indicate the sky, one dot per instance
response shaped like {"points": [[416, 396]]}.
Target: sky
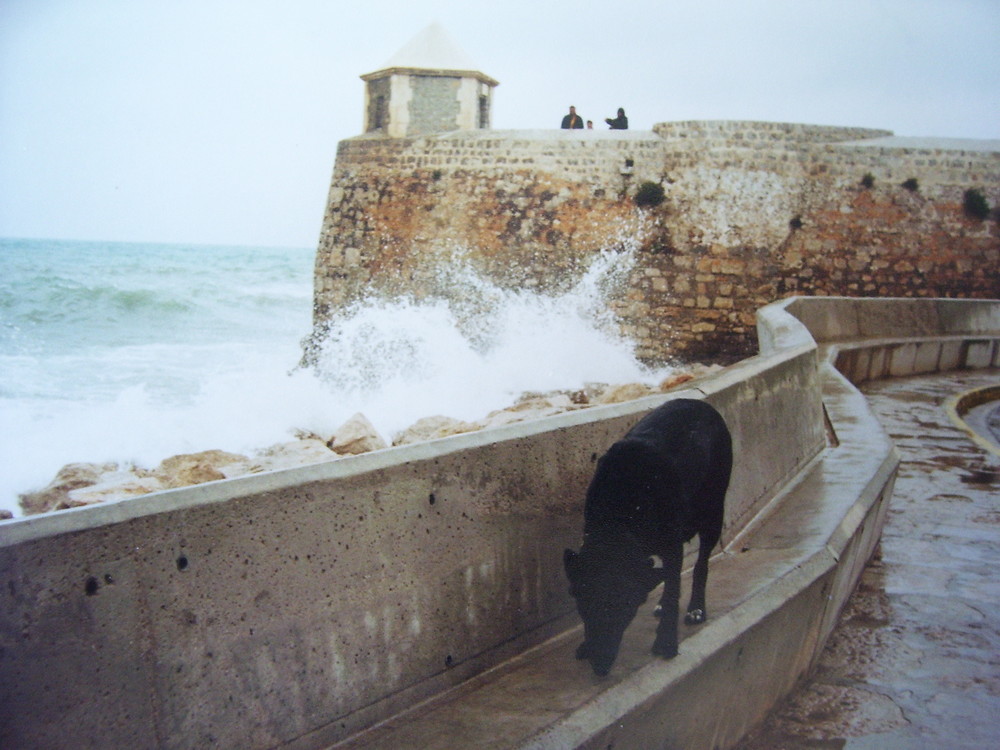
{"points": [[217, 121]]}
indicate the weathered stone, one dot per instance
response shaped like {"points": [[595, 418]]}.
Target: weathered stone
{"points": [[750, 217], [617, 394], [699, 370], [301, 434], [196, 468], [291, 454], [432, 428], [114, 486], [55, 495], [531, 408], [675, 380], [356, 435]]}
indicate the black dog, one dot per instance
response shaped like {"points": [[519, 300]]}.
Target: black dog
{"points": [[654, 489]]}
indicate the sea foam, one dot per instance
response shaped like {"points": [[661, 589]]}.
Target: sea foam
{"points": [[215, 366]]}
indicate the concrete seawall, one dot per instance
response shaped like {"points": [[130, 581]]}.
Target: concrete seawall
{"points": [[299, 607]]}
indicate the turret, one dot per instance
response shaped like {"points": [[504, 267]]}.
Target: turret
{"points": [[429, 86]]}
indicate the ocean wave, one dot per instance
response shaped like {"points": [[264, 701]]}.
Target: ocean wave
{"points": [[133, 354], [61, 315]]}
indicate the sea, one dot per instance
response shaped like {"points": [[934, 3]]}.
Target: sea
{"points": [[134, 352]]}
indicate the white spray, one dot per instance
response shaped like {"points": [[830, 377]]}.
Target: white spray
{"points": [[462, 355]]}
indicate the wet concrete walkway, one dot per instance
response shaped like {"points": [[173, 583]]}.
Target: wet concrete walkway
{"points": [[915, 660]]}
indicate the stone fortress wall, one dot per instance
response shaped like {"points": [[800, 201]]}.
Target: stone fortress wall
{"points": [[753, 212]]}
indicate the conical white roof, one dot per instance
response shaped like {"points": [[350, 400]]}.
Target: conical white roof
{"points": [[431, 49]]}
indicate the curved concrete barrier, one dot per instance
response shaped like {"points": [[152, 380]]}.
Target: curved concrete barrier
{"points": [[301, 607]]}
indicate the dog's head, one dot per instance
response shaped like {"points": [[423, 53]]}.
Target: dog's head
{"points": [[609, 586]]}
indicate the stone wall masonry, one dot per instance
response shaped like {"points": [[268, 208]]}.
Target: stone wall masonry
{"points": [[753, 212], [764, 133], [525, 210], [748, 223], [434, 104]]}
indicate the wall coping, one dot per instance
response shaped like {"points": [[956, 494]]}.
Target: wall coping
{"points": [[732, 131]]}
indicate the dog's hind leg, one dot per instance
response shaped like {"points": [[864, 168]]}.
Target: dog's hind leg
{"points": [[696, 610], [665, 644]]}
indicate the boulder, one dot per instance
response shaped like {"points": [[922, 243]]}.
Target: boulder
{"points": [[699, 370], [580, 397], [289, 455], [55, 495], [432, 428], [197, 468], [672, 381], [531, 408], [116, 485], [617, 394], [301, 434], [356, 435]]}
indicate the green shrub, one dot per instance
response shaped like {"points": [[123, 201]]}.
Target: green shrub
{"points": [[975, 205], [912, 185], [868, 180], [649, 194]]}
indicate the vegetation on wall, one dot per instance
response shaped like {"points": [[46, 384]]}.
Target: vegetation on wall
{"points": [[974, 204], [649, 194]]}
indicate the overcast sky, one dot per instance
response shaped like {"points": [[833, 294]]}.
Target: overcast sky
{"points": [[217, 121]]}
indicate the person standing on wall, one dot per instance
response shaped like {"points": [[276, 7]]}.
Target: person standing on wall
{"points": [[572, 120], [617, 123]]}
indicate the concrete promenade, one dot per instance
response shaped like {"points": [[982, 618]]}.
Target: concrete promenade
{"points": [[915, 660]]}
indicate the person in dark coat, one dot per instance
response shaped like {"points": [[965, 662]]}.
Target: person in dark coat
{"points": [[572, 120], [617, 123]]}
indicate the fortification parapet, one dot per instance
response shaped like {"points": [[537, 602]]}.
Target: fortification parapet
{"points": [[771, 133]]}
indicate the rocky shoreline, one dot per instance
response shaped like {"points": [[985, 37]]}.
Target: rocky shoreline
{"points": [[81, 484]]}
